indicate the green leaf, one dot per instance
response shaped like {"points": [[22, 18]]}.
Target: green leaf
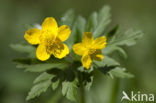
{"points": [[81, 23], [55, 84], [30, 61], [42, 77], [68, 18], [23, 61], [92, 22], [106, 65], [110, 49], [42, 82], [44, 67], [38, 89], [72, 38], [128, 38], [105, 69], [21, 66], [106, 61], [77, 32], [89, 84], [69, 89], [121, 73], [103, 21], [24, 49]]}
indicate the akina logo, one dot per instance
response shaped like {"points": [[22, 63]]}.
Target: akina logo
{"points": [[140, 97]]}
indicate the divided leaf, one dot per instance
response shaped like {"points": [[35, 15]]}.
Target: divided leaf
{"points": [[69, 89], [114, 42], [42, 77], [44, 67], [77, 32], [38, 89], [81, 23], [106, 61], [110, 49], [110, 66], [68, 18], [55, 84], [120, 72], [92, 22], [24, 49], [128, 38], [42, 82], [71, 40], [106, 65], [103, 20]]}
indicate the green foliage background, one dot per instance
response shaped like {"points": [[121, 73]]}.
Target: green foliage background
{"points": [[139, 14]]}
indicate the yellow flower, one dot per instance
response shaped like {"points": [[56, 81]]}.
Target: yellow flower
{"points": [[50, 39], [90, 49]]}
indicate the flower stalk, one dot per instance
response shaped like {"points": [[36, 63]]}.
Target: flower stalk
{"points": [[82, 89]]}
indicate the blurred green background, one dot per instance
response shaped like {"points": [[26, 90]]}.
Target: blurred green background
{"points": [[138, 14]]}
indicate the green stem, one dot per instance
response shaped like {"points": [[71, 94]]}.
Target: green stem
{"points": [[114, 91], [82, 90], [82, 95]]}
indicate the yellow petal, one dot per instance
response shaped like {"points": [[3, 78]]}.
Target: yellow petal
{"points": [[32, 36], [79, 49], [41, 53], [63, 32], [99, 43], [60, 50], [50, 25], [87, 38], [97, 55], [86, 61]]}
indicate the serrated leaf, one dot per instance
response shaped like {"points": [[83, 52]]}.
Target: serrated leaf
{"points": [[21, 66], [92, 22], [68, 18], [30, 61], [42, 77], [110, 49], [24, 49], [77, 32], [69, 89], [44, 67], [27, 61], [55, 84], [72, 38], [106, 61], [106, 64], [103, 20], [121, 73], [81, 23], [128, 38], [38, 89]]}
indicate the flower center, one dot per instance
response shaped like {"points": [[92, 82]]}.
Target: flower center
{"points": [[91, 51], [47, 37]]}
